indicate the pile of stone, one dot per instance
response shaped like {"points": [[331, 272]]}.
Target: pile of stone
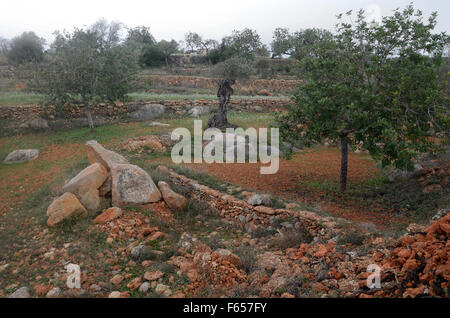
{"points": [[150, 144], [434, 178], [109, 174], [420, 263]]}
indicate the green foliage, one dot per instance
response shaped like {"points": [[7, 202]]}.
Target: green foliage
{"points": [[243, 44], [152, 56], [373, 84], [233, 69], [298, 44], [195, 42], [27, 47], [140, 37], [168, 48], [88, 66], [281, 43]]}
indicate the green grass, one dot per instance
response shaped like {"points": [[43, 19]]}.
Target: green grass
{"points": [[17, 98], [156, 96]]}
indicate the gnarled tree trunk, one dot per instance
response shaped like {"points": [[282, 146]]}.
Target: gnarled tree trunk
{"points": [[219, 119], [89, 116]]}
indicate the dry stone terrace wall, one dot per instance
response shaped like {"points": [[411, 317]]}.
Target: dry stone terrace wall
{"points": [[254, 86], [26, 112], [248, 216]]}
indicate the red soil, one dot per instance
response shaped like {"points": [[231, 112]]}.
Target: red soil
{"points": [[300, 179]]}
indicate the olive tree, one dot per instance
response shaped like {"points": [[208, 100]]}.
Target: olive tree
{"points": [[281, 43], [88, 66], [375, 85], [168, 48], [27, 47], [227, 72]]}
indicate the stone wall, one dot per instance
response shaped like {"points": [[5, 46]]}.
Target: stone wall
{"points": [[26, 112], [245, 215], [251, 87]]}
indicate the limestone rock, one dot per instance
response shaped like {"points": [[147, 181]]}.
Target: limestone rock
{"points": [[22, 155], [22, 292], [85, 185], [132, 185], [64, 207], [148, 111], [108, 215], [38, 123], [259, 199], [199, 110], [157, 124], [96, 153], [175, 201]]}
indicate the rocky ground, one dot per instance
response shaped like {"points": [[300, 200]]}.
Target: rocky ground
{"points": [[185, 239]]}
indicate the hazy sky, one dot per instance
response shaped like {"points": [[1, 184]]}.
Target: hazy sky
{"points": [[210, 18]]}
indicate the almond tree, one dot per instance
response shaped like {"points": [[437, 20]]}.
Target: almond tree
{"points": [[375, 85]]}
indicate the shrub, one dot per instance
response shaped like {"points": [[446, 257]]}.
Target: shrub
{"points": [[152, 55], [27, 47]]}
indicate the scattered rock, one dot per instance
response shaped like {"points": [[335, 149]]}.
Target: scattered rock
{"points": [[114, 294], [259, 199], [145, 287], [186, 241], [64, 207], [157, 124], [142, 253], [153, 275], [132, 185], [117, 279], [163, 290], [108, 215], [54, 292], [175, 201], [22, 155], [22, 292], [134, 283]]}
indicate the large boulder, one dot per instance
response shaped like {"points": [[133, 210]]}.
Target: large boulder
{"points": [[65, 207], [21, 155], [147, 112], [96, 153], [38, 123], [199, 110], [132, 185], [175, 201], [85, 185]]}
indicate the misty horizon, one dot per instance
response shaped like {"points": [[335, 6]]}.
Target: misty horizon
{"points": [[173, 19]]}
